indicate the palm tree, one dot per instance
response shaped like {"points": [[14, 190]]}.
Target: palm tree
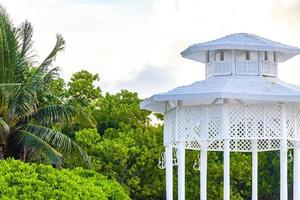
{"points": [[25, 122]]}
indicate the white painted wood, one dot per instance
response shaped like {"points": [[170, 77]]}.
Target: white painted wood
{"points": [[169, 172], [283, 158], [296, 173], [226, 170], [247, 67], [254, 170], [225, 130], [260, 61], [233, 62], [222, 68], [269, 68], [203, 174], [283, 171], [181, 170]]}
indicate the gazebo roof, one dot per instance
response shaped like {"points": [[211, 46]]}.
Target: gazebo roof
{"points": [[244, 88], [240, 41]]}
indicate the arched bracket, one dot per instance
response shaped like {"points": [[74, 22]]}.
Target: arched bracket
{"points": [[290, 156], [196, 165], [175, 157], [162, 161], [204, 145]]}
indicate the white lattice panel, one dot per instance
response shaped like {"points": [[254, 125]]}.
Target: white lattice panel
{"points": [[213, 114], [199, 125], [272, 121], [254, 115]]}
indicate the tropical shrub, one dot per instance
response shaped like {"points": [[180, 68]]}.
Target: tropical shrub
{"points": [[20, 180]]}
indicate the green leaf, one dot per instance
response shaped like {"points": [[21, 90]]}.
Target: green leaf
{"points": [[59, 141], [31, 140]]}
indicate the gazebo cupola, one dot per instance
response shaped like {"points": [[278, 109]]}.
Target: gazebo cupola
{"points": [[241, 106], [240, 54]]}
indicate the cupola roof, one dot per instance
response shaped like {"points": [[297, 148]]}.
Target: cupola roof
{"points": [[240, 41]]}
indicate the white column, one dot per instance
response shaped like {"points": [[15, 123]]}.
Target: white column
{"points": [[227, 170], [169, 172], [226, 136], [283, 171], [297, 173], [283, 157], [254, 170], [181, 170], [203, 173]]}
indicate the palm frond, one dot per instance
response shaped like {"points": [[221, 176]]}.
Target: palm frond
{"points": [[31, 140], [4, 128], [60, 113], [8, 47], [24, 34], [59, 46], [58, 140], [51, 75], [23, 103], [41, 76]]}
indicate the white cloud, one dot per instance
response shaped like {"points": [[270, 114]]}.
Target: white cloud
{"points": [[122, 39], [148, 79]]}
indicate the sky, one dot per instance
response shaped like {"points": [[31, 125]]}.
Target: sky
{"points": [[136, 44]]}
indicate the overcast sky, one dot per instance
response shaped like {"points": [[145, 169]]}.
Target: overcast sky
{"points": [[135, 44]]}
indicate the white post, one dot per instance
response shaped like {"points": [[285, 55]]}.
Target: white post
{"points": [[233, 70], [169, 172], [254, 170], [181, 170], [296, 173], [283, 157], [227, 170], [203, 173], [225, 130]]}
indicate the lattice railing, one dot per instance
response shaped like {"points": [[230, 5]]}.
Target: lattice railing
{"points": [[246, 124]]}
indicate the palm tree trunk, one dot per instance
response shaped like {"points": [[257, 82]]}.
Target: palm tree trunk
{"points": [[24, 154], [1, 151]]}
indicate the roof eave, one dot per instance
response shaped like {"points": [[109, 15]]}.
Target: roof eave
{"points": [[156, 103]]}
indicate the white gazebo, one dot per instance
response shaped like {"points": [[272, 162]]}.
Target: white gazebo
{"points": [[241, 106]]}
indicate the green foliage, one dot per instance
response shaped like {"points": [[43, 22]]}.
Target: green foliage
{"points": [[129, 156], [81, 89], [269, 176], [121, 109], [37, 181], [56, 94], [88, 137]]}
